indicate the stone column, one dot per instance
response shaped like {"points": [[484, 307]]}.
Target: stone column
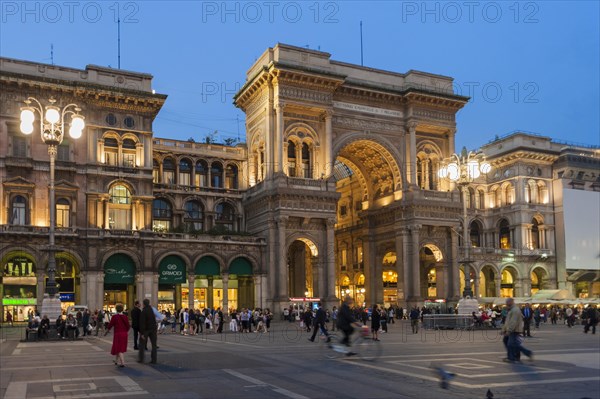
{"points": [[225, 308], [329, 294], [455, 290], [412, 131], [191, 287], [210, 293], [406, 266], [279, 133], [258, 292], [369, 257], [105, 210], [83, 288], [281, 270], [415, 264], [476, 284], [329, 155], [40, 289], [401, 267], [497, 286], [299, 163]]}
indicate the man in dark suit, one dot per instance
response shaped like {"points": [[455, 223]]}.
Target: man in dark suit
{"points": [[135, 323], [148, 328], [527, 316], [319, 323]]}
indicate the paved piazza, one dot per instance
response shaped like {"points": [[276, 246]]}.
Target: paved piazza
{"points": [[283, 364]]}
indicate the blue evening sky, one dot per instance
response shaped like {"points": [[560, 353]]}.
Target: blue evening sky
{"points": [[530, 66]]}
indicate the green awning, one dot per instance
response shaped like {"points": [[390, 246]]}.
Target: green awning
{"points": [[207, 266], [241, 267], [119, 269], [172, 270]]}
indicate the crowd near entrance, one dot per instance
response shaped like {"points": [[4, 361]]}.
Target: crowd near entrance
{"points": [[119, 281]]}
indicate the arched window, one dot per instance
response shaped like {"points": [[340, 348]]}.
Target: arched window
{"points": [[161, 215], [231, 177], [480, 199], [216, 175], [194, 216], [129, 153], [535, 234], [498, 195], [19, 210], [470, 197], [291, 154], [201, 174], [119, 213], [168, 171], [507, 288], [306, 162], [185, 172], [155, 172], [542, 193], [475, 234], [111, 151], [63, 213], [224, 216], [504, 234]]}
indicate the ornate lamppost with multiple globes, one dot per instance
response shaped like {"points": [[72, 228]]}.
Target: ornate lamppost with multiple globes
{"points": [[52, 124], [463, 169]]}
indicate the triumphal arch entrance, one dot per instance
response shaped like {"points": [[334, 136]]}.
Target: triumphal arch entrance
{"points": [[343, 164]]}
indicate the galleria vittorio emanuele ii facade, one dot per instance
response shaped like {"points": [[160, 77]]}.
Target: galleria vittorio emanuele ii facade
{"points": [[335, 192]]}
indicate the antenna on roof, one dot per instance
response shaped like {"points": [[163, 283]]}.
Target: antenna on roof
{"points": [[52, 53], [118, 38], [361, 45]]}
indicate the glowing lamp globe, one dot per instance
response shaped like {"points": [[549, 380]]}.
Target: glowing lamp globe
{"points": [[26, 128], [77, 122], [74, 132], [453, 172], [27, 116], [52, 115], [485, 167]]}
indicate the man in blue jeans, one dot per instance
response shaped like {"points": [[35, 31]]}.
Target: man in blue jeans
{"points": [[512, 330]]}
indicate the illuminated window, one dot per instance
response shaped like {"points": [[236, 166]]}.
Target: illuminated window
{"points": [[291, 153], [185, 172], [63, 211]]}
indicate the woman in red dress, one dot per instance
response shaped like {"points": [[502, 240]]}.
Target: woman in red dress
{"points": [[121, 324]]}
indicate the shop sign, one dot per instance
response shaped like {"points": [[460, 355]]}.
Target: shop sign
{"points": [[19, 301], [67, 297], [118, 275], [172, 273]]}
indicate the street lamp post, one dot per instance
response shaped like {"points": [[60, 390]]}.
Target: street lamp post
{"points": [[463, 169], [52, 122]]}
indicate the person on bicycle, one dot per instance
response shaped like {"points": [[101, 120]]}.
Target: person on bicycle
{"points": [[345, 320]]}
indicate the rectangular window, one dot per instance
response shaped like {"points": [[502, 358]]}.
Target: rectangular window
{"points": [[169, 177], [155, 174], [184, 179], [110, 158], [119, 219], [63, 152], [128, 160], [161, 226], [19, 214], [343, 210], [19, 146], [62, 215], [344, 257]]}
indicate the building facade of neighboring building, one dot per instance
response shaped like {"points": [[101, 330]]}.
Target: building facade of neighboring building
{"points": [[335, 193]]}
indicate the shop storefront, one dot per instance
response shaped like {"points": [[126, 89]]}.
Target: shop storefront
{"points": [[390, 288], [119, 279], [171, 275], [66, 281], [241, 284], [18, 286], [206, 271]]}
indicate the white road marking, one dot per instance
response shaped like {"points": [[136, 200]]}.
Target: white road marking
{"points": [[479, 386], [254, 381], [56, 366], [18, 390], [479, 353]]}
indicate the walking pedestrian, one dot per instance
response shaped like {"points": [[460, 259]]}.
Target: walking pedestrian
{"points": [[512, 329], [527, 316], [9, 318], [121, 324], [135, 323], [148, 327], [375, 322], [414, 319], [319, 323]]}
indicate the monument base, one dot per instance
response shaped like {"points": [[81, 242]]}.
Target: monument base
{"points": [[467, 306], [51, 308]]}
